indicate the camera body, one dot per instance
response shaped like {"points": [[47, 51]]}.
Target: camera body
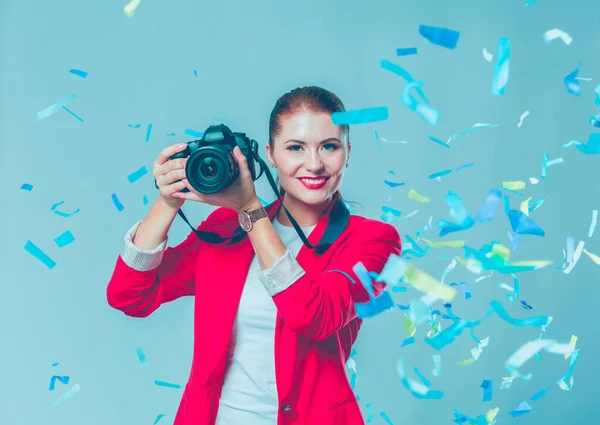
{"points": [[211, 166]]}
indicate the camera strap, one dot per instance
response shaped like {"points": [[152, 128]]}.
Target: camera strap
{"points": [[338, 220]]}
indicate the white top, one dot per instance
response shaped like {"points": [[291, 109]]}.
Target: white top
{"points": [[249, 392]]}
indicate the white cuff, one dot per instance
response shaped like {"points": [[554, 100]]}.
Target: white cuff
{"points": [[139, 259], [282, 274]]}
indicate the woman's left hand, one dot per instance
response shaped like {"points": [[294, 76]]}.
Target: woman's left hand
{"points": [[238, 196]]}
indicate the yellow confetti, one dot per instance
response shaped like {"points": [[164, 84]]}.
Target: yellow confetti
{"points": [[131, 7], [572, 344], [434, 330], [428, 284], [525, 206], [491, 415], [594, 257], [466, 362], [417, 197], [409, 328], [516, 185], [451, 244]]}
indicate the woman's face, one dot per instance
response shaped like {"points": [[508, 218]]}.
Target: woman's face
{"points": [[310, 156]]}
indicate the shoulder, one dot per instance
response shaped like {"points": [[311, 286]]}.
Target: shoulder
{"points": [[363, 229]]}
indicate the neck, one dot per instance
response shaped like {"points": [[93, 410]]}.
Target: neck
{"points": [[304, 214]]}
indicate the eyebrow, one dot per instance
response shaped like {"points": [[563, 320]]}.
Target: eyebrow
{"points": [[331, 139]]}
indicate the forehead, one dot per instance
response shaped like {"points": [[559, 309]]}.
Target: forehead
{"points": [[308, 127]]}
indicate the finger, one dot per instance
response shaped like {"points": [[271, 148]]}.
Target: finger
{"points": [[242, 162], [170, 189], [170, 165], [167, 152]]}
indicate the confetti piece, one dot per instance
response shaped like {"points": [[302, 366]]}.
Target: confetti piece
{"points": [[64, 239], [117, 203], [376, 305], [194, 133], [439, 142], [417, 389], [145, 200], [408, 341], [451, 244], [476, 127], [526, 306], [487, 55], [562, 383], [78, 72], [195, 73], [386, 418], [533, 180], [421, 377], [26, 186], [54, 364], [513, 185], [491, 415], [501, 68], [429, 114], [63, 379], [73, 113], [428, 284], [166, 384], [523, 408], [522, 117], [572, 84], [437, 364], [595, 121], [50, 110], [67, 395], [487, 390], [138, 174], [597, 91], [593, 223], [417, 197], [393, 184], [523, 224], [148, 131], [592, 146], [407, 51], [439, 173], [556, 33], [462, 167], [593, 257], [529, 350], [398, 70], [360, 116], [130, 8], [141, 356], [39, 254], [158, 418], [539, 394], [440, 36], [572, 343], [134, 125], [542, 321], [459, 213], [62, 214]]}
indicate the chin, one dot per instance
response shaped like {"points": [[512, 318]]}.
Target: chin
{"points": [[313, 197]]}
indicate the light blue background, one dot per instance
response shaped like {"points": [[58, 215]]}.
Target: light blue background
{"points": [[247, 53]]}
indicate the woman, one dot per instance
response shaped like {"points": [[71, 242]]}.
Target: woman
{"points": [[274, 320]]}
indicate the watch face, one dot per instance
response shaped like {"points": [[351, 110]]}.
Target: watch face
{"points": [[245, 222]]}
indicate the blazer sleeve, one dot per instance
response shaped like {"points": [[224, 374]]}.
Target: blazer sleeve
{"points": [[317, 305], [144, 280]]}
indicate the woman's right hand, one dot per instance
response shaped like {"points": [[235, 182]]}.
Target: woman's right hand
{"points": [[169, 174]]}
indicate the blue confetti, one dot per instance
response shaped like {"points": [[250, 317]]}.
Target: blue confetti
{"points": [[63, 379], [148, 131], [134, 125], [26, 186], [39, 254], [462, 167], [439, 142], [487, 390], [393, 184], [539, 394], [429, 114], [439, 174], [408, 341], [572, 83], [145, 200], [385, 417], [166, 384], [79, 73], [137, 174], [158, 418], [440, 36], [360, 116], [523, 408], [425, 381], [523, 224], [60, 213], [592, 147], [141, 356], [194, 133], [72, 113], [398, 70], [52, 109], [64, 239], [117, 203], [407, 51], [502, 67]]}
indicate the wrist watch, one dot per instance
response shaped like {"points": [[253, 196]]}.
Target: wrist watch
{"points": [[247, 219]]}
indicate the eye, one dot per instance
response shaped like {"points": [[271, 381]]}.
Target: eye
{"points": [[330, 146], [293, 148]]}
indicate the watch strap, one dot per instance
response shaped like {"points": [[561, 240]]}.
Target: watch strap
{"points": [[257, 214]]}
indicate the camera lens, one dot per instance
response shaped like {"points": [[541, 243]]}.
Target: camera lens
{"points": [[208, 168]]}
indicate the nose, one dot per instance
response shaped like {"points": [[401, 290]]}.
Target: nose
{"points": [[314, 163]]}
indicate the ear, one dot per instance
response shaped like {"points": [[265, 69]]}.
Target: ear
{"points": [[270, 155]]}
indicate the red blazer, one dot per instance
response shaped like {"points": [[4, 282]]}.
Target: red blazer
{"points": [[316, 319]]}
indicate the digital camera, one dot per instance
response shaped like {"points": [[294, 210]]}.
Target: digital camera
{"points": [[211, 166]]}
